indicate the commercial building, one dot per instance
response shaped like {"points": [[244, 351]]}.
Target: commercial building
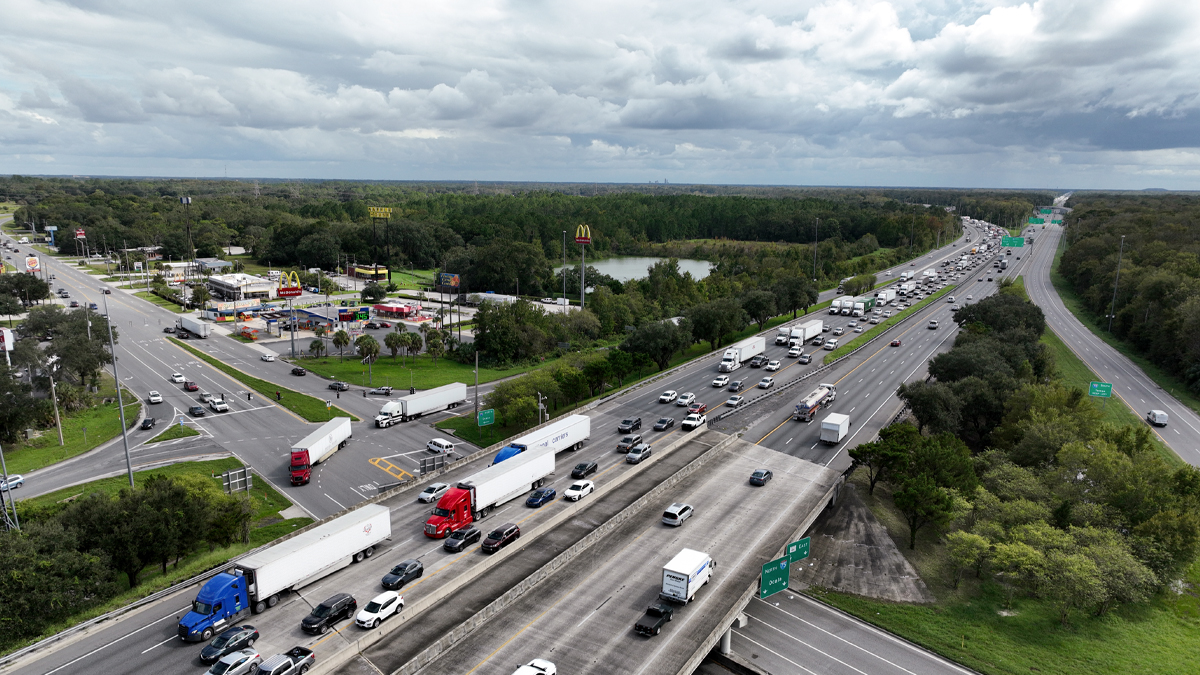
{"points": [[370, 273], [239, 286]]}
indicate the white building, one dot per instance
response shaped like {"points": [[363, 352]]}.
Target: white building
{"points": [[239, 286]]}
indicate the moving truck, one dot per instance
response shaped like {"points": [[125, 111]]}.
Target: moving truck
{"points": [[192, 325], [805, 332], [740, 352], [318, 447], [685, 574], [568, 433], [862, 305], [906, 288], [821, 397], [884, 296], [834, 428], [472, 499], [835, 307], [257, 581], [784, 334], [413, 406]]}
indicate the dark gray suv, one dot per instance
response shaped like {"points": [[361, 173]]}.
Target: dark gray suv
{"points": [[339, 607]]}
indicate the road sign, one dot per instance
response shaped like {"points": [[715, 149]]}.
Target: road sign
{"points": [[1100, 389], [774, 578], [487, 417], [1015, 242], [798, 550], [379, 212]]}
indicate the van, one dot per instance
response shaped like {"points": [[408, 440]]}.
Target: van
{"points": [[1157, 418], [440, 445], [831, 345]]}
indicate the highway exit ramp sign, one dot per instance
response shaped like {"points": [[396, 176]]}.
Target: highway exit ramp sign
{"points": [[1015, 242], [798, 550], [1100, 389], [774, 579], [487, 417]]}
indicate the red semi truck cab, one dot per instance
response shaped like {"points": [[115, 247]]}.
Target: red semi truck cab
{"points": [[453, 511], [301, 467]]}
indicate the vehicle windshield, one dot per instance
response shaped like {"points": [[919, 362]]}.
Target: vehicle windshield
{"points": [[221, 667], [664, 421], [201, 608], [222, 640], [299, 467], [759, 474], [438, 511], [627, 439], [322, 610], [496, 534], [458, 534], [579, 486], [399, 569], [373, 607]]}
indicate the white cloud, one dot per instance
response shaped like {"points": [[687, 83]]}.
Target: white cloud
{"points": [[820, 91]]}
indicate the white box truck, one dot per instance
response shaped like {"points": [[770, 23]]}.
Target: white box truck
{"points": [[835, 307], [257, 581], [740, 352], [471, 499], [569, 433], [884, 295], [685, 574], [834, 428], [413, 406], [805, 332], [784, 334], [195, 326], [318, 447]]}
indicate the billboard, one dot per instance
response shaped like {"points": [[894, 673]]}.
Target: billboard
{"points": [[583, 234], [289, 285], [79, 234], [446, 279], [32, 264]]}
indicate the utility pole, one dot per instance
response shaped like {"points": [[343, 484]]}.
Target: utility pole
{"points": [[116, 378], [1112, 310], [816, 227], [564, 270], [13, 523], [187, 210], [57, 420]]}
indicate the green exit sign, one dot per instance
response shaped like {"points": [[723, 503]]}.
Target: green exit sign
{"points": [[1015, 242], [487, 417], [798, 550], [774, 577], [1100, 389]]}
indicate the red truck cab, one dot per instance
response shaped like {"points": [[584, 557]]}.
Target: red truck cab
{"points": [[453, 511], [301, 467]]}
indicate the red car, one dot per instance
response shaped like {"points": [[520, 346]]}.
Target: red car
{"points": [[384, 324], [191, 386], [697, 407], [896, 342]]}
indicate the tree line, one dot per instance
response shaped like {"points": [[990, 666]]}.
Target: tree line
{"points": [[1030, 490]]}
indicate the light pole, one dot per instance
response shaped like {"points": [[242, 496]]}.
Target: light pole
{"points": [[564, 270], [1112, 310], [120, 401], [816, 227]]}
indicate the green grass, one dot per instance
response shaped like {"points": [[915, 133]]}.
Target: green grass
{"points": [[82, 431], [424, 373], [1074, 304], [160, 301], [308, 407], [172, 432], [464, 427], [861, 338]]}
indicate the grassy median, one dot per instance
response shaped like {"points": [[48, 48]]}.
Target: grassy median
{"points": [[82, 431], [308, 407], [172, 432], [862, 338]]}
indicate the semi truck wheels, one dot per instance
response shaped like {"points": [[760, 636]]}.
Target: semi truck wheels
{"points": [[260, 607], [206, 635], [272, 601], [369, 552], [358, 557]]}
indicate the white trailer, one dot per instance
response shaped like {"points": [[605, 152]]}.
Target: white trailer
{"points": [[444, 397], [318, 447], [568, 433], [685, 574], [740, 352], [907, 288], [834, 428], [884, 296], [806, 331], [784, 334], [305, 558], [835, 307], [193, 325], [500, 483]]}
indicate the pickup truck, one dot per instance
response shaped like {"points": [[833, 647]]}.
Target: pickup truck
{"points": [[297, 660], [652, 621]]}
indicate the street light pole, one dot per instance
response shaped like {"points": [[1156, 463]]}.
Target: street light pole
{"points": [[816, 227], [1112, 310], [120, 401]]}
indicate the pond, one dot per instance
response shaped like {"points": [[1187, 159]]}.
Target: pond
{"points": [[625, 268]]}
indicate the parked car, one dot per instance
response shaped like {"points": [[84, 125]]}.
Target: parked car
{"points": [[154, 397], [267, 357], [404, 572], [462, 538], [668, 396], [638, 453], [298, 371], [579, 490], [241, 662], [721, 381], [677, 513], [148, 423], [628, 442], [541, 497], [761, 477], [664, 423], [339, 386], [500, 537], [433, 493], [383, 606], [628, 425], [324, 615], [584, 469], [230, 640]]}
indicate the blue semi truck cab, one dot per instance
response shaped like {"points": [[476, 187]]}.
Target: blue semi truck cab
{"points": [[221, 601], [509, 452]]}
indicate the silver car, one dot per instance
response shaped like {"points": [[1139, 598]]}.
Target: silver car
{"points": [[240, 662], [433, 492]]}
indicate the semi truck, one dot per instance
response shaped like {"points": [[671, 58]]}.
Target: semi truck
{"points": [[905, 276], [257, 581], [1003, 264], [195, 326], [835, 307], [823, 396], [318, 447], [834, 428], [472, 499], [740, 352], [862, 305], [906, 288], [805, 332], [568, 433], [784, 335], [885, 295], [685, 574], [413, 406]]}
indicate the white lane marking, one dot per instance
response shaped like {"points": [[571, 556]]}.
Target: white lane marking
{"points": [[334, 501], [131, 633], [159, 644], [766, 648], [788, 441]]}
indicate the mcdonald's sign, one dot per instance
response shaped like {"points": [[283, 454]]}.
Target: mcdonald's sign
{"points": [[289, 285], [583, 234]]}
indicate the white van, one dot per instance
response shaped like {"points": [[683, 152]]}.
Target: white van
{"points": [[440, 445], [1157, 418]]}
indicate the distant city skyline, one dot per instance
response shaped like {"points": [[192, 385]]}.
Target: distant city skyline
{"points": [[1099, 95]]}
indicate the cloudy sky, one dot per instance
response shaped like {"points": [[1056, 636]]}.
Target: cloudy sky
{"points": [[1055, 93]]}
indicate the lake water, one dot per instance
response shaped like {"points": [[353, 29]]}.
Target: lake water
{"points": [[634, 267]]}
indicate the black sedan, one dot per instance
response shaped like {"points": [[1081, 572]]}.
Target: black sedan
{"points": [[299, 371], [584, 469], [460, 539], [148, 423], [196, 411], [403, 573], [736, 386], [231, 640], [664, 423], [761, 477]]}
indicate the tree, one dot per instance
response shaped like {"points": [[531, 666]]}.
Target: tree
{"points": [[922, 502], [368, 348], [200, 295], [10, 306], [886, 455], [760, 306], [598, 373], [658, 340], [18, 410], [620, 363], [394, 341], [1069, 581], [373, 292], [412, 343], [966, 551], [789, 294], [933, 404], [714, 320], [859, 284], [341, 339], [434, 345], [316, 348]]}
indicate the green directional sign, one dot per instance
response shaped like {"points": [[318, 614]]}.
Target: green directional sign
{"points": [[1047, 211], [1016, 242], [487, 417], [774, 578], [798, 550], [1100, 389]]}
